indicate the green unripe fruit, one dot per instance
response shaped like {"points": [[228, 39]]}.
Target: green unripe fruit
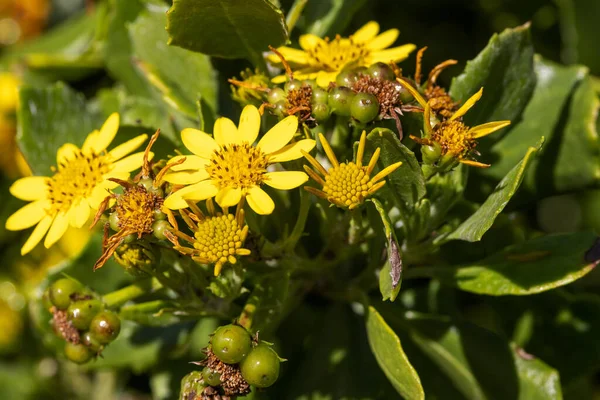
{"points": [[364, 107], [321, 112], [294, 84], [130, 238], [113, 221], [231, 343], [340, 99], [159, 228], [211, 377], [78, 353], [148, 184], [276, 95], [105, 326], [346, 77], [159, 215], [381, 71], [60, 292], [311, 83], [431, 154], [319, 96], [91, 342], [261, 367], [81, 312], [404, 95], [280, 109]]}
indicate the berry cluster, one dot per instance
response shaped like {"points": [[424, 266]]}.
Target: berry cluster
{"points": [[235, 360], [81, 320]]}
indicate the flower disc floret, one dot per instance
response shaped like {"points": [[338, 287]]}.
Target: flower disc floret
{"points": [[323, 59], [229, 166], [78, 185], [347, 184]]}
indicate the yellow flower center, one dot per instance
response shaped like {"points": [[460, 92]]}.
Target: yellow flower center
{"points": [[135, 209], [218, 238], [333, 55], [347, 185], [75, 179], [238, 166], [453, 137]]}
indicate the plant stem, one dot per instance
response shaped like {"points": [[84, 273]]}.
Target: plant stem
{"points": [[122, 296], [305, 201], [294, 14]]}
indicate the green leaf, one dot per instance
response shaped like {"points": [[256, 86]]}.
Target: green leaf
{"points": [[49, 118], [327, 18], [505, 70], [477, 224], [463, 352], [532, 267], [182, 77], [236, 28], [390, 276], [388, 351], [406, 183], [569, 159]]}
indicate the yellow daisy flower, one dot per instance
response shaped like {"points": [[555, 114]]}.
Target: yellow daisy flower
{"points": [[78, 185], [218, 238], [451, 141], [228, 166], [323, 59], [347, 184]]}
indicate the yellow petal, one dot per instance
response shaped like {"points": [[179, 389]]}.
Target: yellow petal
{"points": [[279, 79], [199, 191], [228, 197], [199, 142], [408, 86], [125, 148], [89, 140], [186, 177], [57, 229], [467, 106], [131, 162], [97, 197], [30, 188], [310, 41], [279, 135], [260, 201], [324, 78], [485, 129], [79, 214], [66, 152], [249, 124], [384, 40], [367, 32], [292, 151], [27, 216], [106, 135], [225, 132], [395, 54], [285, 180], [291, 55], [37, 234], [191, 162]]}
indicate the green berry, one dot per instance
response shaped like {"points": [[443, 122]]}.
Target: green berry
{"points": [[261, 367], [321, 112], [159, 215], [319, 96], [364, 107], [81, 312], [340, 99], [346, 77], [231, 343], [105, 326], [78, 353], [159, 228], [113, 221], [405, 95], [91, 342], [60, 292], [148, 184], [280, 109], [431, 154], [276, 95], [312, 83], [381, 71], [294, 84], [130, 238], [211, 377]]}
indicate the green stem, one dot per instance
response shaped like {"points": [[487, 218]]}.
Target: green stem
{"points": [[294, 14], [122, 296], [305, 201], [356, 223]]}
